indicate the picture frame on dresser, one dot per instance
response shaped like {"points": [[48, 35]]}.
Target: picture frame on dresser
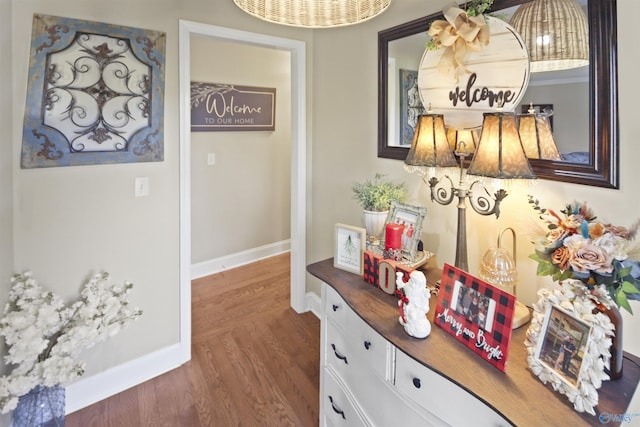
{"points": [[568, 346], [349, 246], [476, 313], [412, 218]]}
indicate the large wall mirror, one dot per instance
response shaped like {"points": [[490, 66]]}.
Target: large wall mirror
{"points": [[584, 100]]}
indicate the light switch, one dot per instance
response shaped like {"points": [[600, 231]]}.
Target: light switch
{"points": [[211, 159], [142, 186]]}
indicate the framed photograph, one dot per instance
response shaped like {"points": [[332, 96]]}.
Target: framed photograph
{"points": [[567, 346], [350, 244], [476, 313], [411, 217], [410, 106], [540, 108]]}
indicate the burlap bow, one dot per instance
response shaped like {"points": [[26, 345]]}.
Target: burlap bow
{"points": [[458, 34]]}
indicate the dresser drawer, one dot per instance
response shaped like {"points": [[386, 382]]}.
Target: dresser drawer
{"points": [[338, 408], [440, 397], [335, 308], [351, 342]]}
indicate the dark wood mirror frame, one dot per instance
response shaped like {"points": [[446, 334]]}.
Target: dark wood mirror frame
{"points": [[602, 170]]}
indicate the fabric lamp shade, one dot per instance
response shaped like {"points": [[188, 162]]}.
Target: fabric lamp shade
{"points": [[430, 146], [500, 153], [537, 138], [462, 142], [556, 33], [314, 13]]}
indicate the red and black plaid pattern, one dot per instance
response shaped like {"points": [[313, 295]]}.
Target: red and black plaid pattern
{"points": [[372, 262], [493, 346]]}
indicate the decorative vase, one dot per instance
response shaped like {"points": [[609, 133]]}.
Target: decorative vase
{"points": [[614, 370], [41, 407], [374, 222]]}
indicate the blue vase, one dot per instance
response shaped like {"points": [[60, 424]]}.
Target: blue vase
{"points": [[41, 407]]}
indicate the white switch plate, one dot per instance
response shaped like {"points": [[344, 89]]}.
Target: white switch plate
{"points": [[211, 159], [142, 186]]}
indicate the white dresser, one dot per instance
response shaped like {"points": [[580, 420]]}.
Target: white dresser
{"points": [[373, 374], [366, 381]]}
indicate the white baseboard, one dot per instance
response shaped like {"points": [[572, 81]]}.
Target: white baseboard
{"points": [[216, 265], [90, 390], [314, 304]]}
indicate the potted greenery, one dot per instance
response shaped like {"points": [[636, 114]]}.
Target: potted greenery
{"points": [[375, 196]]}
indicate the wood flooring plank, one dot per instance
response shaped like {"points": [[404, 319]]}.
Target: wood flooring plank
{"points": [[255, 361]]}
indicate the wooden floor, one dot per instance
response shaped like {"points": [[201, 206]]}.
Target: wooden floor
{"points": [[255, 362]]}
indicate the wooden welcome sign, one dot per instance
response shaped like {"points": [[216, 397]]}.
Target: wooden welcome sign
{"points": [[496, 75], [226, 107]]}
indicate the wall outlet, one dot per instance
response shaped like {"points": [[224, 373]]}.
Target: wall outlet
{"points": [[211, 159], [142, 186]]}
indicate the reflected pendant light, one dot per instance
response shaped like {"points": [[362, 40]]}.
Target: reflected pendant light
{"points": [[314, 13], [555, 32]]}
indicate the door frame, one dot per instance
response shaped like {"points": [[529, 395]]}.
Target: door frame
{"points": [[297, 49]]}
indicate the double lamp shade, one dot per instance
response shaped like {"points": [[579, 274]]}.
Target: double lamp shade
{"points": [[499, 153]]}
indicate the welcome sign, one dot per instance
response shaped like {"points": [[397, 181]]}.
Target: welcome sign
{"points": [[476, 313], [495, 76], [225, 107]]}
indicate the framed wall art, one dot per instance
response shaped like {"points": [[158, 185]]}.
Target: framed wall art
{"points": [[568, 346], [349, 246], [410, 106], [476, 313], [412, 218], [95, 94]]}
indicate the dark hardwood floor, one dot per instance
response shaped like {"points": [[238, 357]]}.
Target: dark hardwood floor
{"points": [[255, 361]]}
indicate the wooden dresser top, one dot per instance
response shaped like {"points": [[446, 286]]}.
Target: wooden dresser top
{"points": [[517, 394]]}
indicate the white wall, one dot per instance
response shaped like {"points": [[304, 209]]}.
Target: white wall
{"points": [[243, 201], [6, 158]]}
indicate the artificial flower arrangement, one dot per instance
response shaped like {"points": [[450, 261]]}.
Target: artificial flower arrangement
{"points": [[575, 245], [44, 336]]}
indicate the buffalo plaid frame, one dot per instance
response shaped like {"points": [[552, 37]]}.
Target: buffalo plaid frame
{"points": [[471, 334]]}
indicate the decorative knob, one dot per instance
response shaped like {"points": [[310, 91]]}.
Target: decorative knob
{"points": [[367, 344], [335, 307], [416, 382]]}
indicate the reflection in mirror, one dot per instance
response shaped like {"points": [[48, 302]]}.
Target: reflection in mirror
{"points": [[589, 147]]}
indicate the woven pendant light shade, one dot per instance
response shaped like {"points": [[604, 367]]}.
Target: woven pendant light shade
{"points": [[314, 13], [555, 32]]}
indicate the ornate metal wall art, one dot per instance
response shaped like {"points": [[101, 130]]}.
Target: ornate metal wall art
{"points": [[95, 94]]}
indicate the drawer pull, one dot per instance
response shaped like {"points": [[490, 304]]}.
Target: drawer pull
{"points": [[338, 355], [336, 409], [367, 344], [416, 383], [335, 307]]}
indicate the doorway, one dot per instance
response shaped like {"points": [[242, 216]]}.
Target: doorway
{"points": [[298, 162]]}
